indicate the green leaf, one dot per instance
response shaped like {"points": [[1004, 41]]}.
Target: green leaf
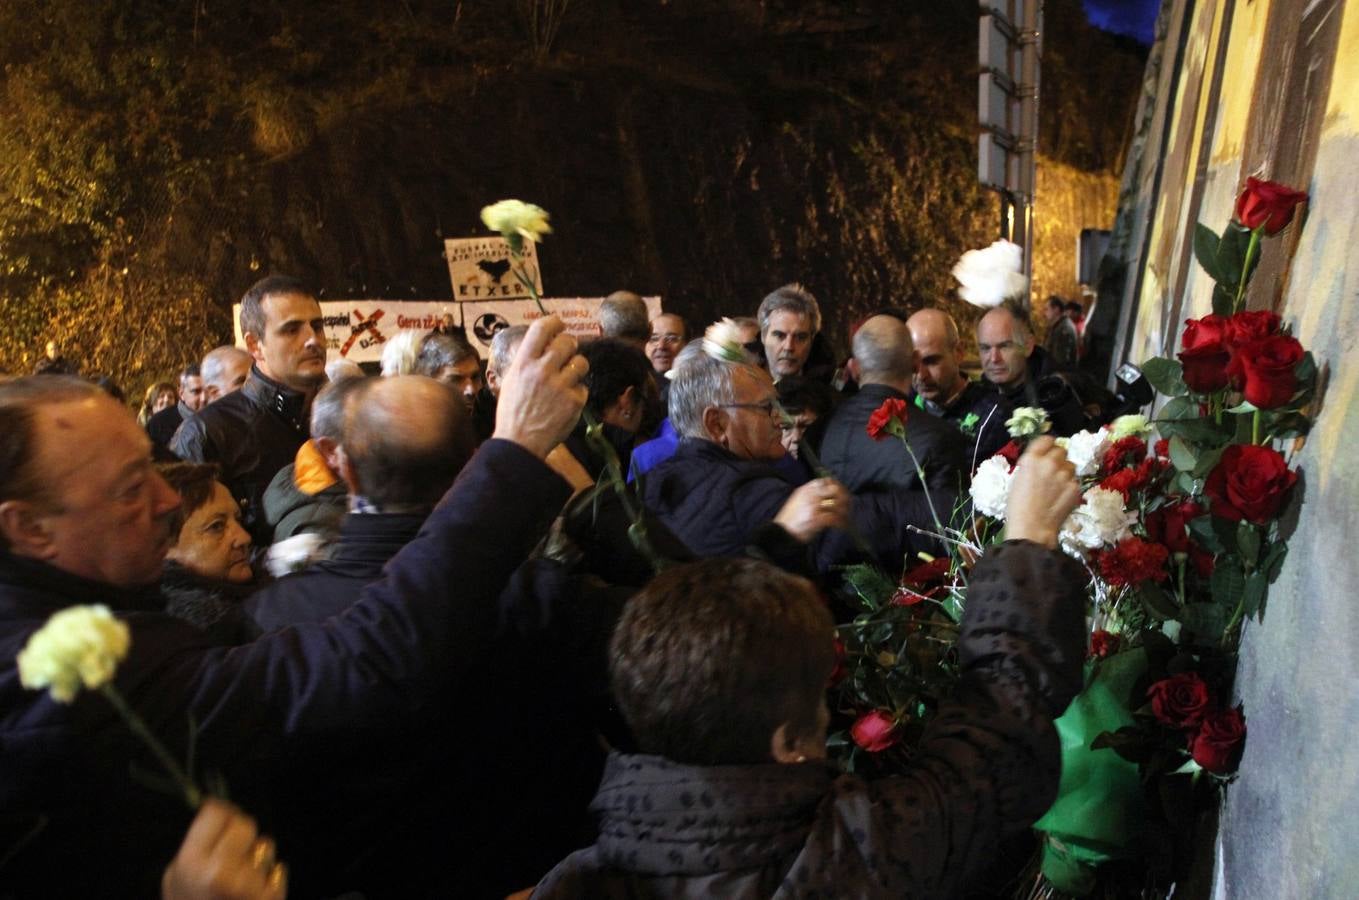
{"points": [[1157, 601], [1206, 620], [1273, 562], [1208, 461], [1253, 596], [1228, 582], [1231, 255], [1223, 299], [1306, 369], [1166, 375], [1201, 529], [1245, 406], [1248, 543], [1179, 408], [1206, 249], [1129, 742], [1226, 532], [1182, 455]]}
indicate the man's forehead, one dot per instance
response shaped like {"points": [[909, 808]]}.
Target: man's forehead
{"points": [[789, 320], [281, 308], [754, 380], [74, 436]]}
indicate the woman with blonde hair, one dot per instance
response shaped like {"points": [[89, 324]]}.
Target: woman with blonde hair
{"points": [[160, 395]]}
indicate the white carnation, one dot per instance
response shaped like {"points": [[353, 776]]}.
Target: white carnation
{"points": [[1100, 521], [991, 487], [1085, 450], [80, 646], [991, 276], [722, 341], [1028, 421], [516, 217]]}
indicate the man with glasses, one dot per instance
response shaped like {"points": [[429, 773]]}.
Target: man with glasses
{"points": [[720, 491]]}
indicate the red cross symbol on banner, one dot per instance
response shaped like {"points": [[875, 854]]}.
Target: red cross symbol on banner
{"points": [[368, 324]]}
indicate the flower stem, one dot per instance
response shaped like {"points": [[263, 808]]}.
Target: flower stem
{"points": [[192, 794], [594, 436], [1255, 428], [1252, 250]]}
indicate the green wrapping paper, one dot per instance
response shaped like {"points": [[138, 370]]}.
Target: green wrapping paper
{"points": [[1098, 812]]}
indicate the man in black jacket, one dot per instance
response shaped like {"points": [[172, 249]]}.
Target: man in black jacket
{"points": [[85, 519], [942, 388], [254, 432], [886, 360], [162, 426]]}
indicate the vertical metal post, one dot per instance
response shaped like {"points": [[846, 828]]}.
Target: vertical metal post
{"points": [[1030, 48]]}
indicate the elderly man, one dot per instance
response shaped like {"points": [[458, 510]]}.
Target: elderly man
{"points": [[669, 334], [789, 321], [162, 426], [720, 489], [1012, 362], [942, 388], [450, 358], [886, 361], [84, 518], [224, 371], [256, 431]]}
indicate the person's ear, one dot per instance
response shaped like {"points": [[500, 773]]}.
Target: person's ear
{"points": [[26, 530], [254, 345], [783, 746], [852, 367], [344, 468], [715, 424]]}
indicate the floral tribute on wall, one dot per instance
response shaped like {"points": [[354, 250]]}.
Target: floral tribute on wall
{"points": [[1181, 529]]}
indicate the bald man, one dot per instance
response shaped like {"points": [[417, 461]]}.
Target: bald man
{"points": [[885, 356], [224, 370], [942, 388]]}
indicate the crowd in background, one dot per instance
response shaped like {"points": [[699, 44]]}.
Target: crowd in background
{"points": [[429, 658]]}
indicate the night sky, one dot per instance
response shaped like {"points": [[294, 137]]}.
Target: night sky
{"points": [[1134, 18]]}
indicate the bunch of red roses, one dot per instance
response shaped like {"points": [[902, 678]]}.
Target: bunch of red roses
{"points": [[1185, 704], [1246, 352]]}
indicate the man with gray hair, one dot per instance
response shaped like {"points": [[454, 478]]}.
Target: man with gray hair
{"points": [[503, 347], [223, 371], [623, 315], [790, 319], [886, 362], [720, 491], [450, 358]]}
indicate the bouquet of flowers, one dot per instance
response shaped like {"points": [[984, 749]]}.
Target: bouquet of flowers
{"points": [[1182, 530]]}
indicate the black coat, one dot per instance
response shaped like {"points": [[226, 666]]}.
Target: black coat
{"points": [[860, 462], [714, 502], [987, 767], [250, 434], [533, 747], [980, 413], [294, 701], [162, 426]]}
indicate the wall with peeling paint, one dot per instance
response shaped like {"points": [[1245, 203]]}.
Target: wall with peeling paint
{"points": [[1270, 88]]}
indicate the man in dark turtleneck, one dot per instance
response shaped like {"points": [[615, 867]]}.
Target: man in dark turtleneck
{"points": [[254, 432]]}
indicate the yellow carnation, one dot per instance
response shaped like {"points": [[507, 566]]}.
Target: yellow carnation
{"points": [[517, 217], [79, 646]]}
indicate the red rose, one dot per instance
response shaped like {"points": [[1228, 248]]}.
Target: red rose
{"points": [[1180, 701], [1267, 204], [1169, 524], [875, 731], [1162, 449], [904, 596], [1264, 370], [922, 581], [1103, 644], [879, 424], [1253, 325], [1133, 561], [1204, 353], [1217, 745], [1250, 483]]}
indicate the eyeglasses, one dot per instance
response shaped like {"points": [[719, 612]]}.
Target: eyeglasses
{"points": [[769, 407]]}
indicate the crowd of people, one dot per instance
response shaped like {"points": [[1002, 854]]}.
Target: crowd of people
{"points": [[394, 621]]}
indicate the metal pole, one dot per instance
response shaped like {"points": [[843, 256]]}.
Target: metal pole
{"points": [[1030, 48]]}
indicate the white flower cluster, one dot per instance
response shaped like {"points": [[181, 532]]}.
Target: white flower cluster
{"points": [[722, 341], [991, 276], [1129, 426], [1100, 521], [80, 646], [1028, 421], [991, 487], [1085, 450]]}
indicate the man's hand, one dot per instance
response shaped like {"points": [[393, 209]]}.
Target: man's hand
{"points": [[1043, 492], [814, 507], [223, 857], [542, 394]]}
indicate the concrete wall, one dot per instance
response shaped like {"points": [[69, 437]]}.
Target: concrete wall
{"points": [[1271, 88]]}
